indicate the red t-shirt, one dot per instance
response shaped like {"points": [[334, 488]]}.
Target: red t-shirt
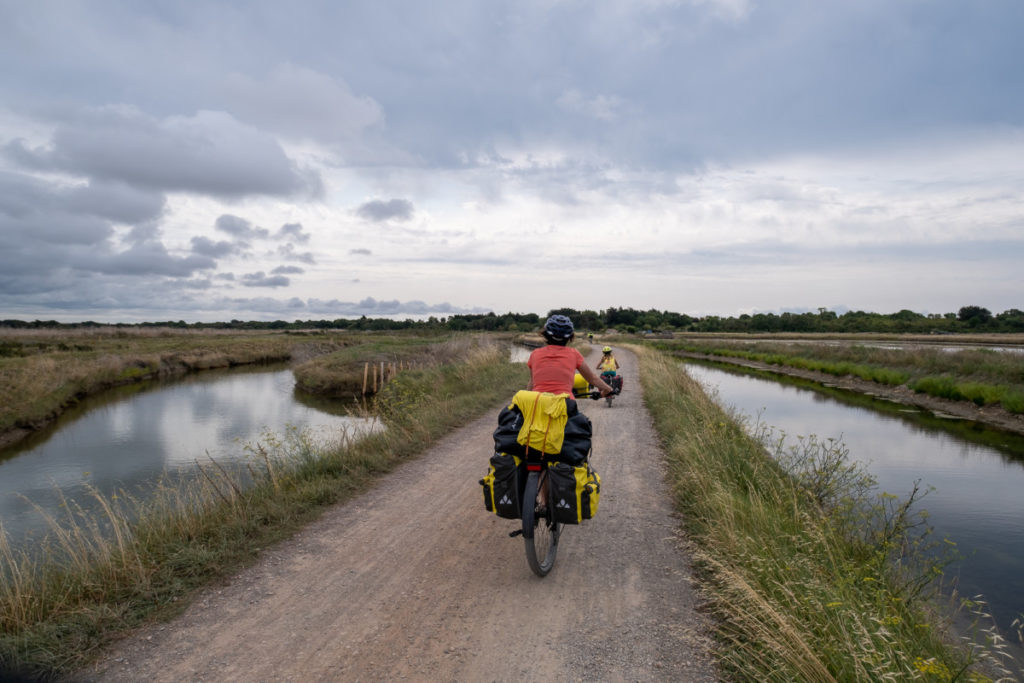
{"points": [[553, 368]]}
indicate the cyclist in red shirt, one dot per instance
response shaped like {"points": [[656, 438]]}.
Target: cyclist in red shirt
{"points": [[553, 367]]}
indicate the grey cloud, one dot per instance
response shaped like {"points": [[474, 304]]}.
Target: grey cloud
{"points": [[207, 247], [708, 78], [301, 103], [260, 279], [461, 258], [287, 251], [116, 202], [143, 232], [103, 297], [782, 254], [32, 210], [379, 210], [49, 233], [288, 270], [602, 107], [208, 153], [240, 228], [360, 252], [369, 306], [147, 258], [293, 231], [372, 307]]}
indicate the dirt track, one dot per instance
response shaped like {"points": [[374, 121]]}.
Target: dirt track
{"points": [[415, 580]]}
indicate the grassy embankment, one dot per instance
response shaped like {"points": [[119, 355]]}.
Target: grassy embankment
{"points": [[981, 376], [43, 372], [91, 585], [811, 576], [346, 372]]}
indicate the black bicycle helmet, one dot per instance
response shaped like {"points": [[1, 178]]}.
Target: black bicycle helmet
{"points": [[558, 329]]}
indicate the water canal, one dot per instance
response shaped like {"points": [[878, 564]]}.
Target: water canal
{"points": [[128, 438], [977, 473]]}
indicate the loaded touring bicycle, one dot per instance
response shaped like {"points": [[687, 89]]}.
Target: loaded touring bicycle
{"points": [[540, 473]]}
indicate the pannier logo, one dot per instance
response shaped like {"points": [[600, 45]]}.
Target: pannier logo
{"points": [[505, 500], [563, 505]]}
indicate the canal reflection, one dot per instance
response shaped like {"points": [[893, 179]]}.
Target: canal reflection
{"points": [[977, 473], [129, 438]]}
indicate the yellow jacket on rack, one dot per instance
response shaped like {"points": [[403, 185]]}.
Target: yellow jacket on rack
{"points": [[544, 418]]}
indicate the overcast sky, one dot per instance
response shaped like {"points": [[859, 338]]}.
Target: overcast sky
{"points": [[317, 159]]}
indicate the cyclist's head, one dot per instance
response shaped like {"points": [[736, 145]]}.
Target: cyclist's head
{"points": [[558, 330], [607, 349]]}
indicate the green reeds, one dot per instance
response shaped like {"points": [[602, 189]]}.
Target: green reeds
{"points": [[812, 575]]}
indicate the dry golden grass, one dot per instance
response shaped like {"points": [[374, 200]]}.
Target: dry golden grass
{"points": [[42, 372], [101, 575]]}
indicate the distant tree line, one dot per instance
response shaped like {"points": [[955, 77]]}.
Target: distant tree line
{"points": [[627, 320]]}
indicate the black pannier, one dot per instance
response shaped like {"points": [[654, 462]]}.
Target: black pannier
{"points": [[575, 446], [503, 486]]}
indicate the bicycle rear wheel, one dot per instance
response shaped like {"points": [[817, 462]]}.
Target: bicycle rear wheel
{"points": [[540, 530]]}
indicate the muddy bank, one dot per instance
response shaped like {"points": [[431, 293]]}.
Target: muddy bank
{"points": [[994, 416]]}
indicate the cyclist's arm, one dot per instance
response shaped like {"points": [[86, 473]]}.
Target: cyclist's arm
{"points": [[591, 376]]}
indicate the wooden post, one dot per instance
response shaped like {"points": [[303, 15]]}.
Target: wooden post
{"points": [[374, 378], [366, 372]]}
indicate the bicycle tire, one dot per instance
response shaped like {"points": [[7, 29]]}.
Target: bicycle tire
{"points": [[540, 532]]}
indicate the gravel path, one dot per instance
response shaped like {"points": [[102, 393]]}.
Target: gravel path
{"points": [[414, 580]]}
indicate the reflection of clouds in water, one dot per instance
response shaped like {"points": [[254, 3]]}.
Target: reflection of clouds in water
{"points": [[220, 417], [976, 501], [889, 442], [129, 443]]}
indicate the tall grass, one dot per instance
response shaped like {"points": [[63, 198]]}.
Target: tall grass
{"points": [[342, 373], [813, 576], [40, 376], [98, 576]]}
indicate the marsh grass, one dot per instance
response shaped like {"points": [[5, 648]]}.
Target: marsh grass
{"points": [[343, 372], [982, 376], [812, 575], [42, 374], [99, 575]]}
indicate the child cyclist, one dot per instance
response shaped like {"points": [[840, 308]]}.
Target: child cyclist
{"points": [[552, 367], [607, 365]]}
